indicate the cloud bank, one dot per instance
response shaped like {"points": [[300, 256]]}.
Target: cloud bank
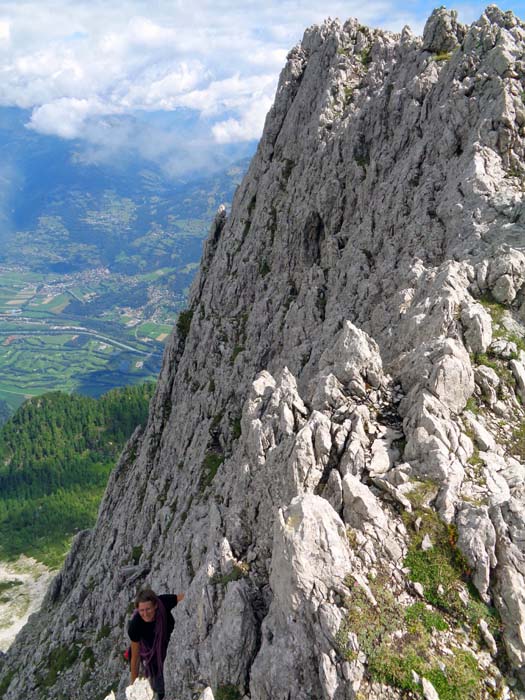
{"points": [[87, 69]]}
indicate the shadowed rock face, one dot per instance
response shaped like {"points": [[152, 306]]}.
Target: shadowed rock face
{"points": [[341, 320]]}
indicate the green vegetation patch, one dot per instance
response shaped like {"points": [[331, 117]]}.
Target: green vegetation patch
{"points": [[210, 465], [6, 587], [136, 553], [9, 585], [56, 453], [481, 358], [58, 661], [184, 323], [444, 572], [440, 568], [442, 56], [362, 161], [239, 570], [103, 632], [264, 268], [88, 657], [398, 641], [236, 351], [460, 679], [348, 94], [366, 56], [429, 618], [58, 303], [236, 428], [227, 692], [154, 330], [472, 405], [6, 682], [497, 313], [495, 308], [422, 493]]}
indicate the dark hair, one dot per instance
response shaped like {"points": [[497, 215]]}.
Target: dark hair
{"points": [[146, 595]]}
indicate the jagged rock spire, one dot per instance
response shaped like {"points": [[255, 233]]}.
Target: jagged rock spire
{"points": [[336, 410]]}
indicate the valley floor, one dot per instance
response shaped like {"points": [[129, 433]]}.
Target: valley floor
{"points": [[22, 588]]}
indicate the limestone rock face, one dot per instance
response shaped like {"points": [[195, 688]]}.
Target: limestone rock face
{"points": [[140, 690], [352, 372], [310, 553]]}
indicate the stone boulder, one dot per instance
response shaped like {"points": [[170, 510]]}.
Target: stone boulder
{"points": [[310, 561]]}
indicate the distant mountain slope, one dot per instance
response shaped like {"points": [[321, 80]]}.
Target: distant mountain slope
{"points": [[106, 252], [65, 214], [56, 453]]}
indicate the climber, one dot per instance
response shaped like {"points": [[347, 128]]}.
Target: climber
{"points": [[150, 630]]}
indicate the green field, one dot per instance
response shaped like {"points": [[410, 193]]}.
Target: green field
{"points": [[153, 330], [95, 265], [37, 354], [33, 365], [16, 289]]}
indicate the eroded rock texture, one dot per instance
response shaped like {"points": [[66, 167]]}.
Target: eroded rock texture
{"points": [[352, 375]]}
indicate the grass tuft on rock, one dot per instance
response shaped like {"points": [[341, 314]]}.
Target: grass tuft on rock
{"points": [[60, 659], [442, 56], [460, 677], [419, 613], [210, 466], [184, 323], [6, 682], [239, 570], [399, 641], [227, 692], [443, 571]]}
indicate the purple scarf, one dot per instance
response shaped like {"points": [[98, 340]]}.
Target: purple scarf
{"points": [[153, 657]]}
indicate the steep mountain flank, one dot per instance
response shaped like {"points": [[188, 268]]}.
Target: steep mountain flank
{"points": [[334, 462]]}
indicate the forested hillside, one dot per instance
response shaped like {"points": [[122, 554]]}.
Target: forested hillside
{"points": [[56, 453]]}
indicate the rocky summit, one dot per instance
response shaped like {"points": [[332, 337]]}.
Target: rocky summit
{"points": [[333, 468]]}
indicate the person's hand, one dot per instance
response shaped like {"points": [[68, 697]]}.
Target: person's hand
{"points": [[180, 597]]}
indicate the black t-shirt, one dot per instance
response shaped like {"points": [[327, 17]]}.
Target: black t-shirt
{"points": [[139, 630]]}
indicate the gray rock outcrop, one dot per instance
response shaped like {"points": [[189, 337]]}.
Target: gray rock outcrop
{"points": [[343, 405]]}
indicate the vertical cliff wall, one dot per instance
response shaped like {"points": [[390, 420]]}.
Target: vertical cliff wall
{"points": [[333, 467]]}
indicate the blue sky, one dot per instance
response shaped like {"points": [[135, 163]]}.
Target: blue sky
{"points": [[169, 78]]}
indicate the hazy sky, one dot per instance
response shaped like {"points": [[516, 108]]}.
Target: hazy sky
{"points": [[200, 72]]}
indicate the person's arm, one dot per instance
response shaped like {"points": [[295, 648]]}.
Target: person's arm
{"points": [[135, 661], [170, 600]]}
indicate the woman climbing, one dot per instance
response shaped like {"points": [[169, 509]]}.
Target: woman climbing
{"points": [[150, 630]]}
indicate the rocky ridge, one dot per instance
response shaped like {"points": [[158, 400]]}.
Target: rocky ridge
{"points": [[334, 463]]}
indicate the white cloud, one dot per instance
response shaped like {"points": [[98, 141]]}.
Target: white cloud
{"points": [[163, 92], [5, 30], [143, 30], [232, 93], [245, 128], [77, 62], [67, 116], [269, 58]]}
